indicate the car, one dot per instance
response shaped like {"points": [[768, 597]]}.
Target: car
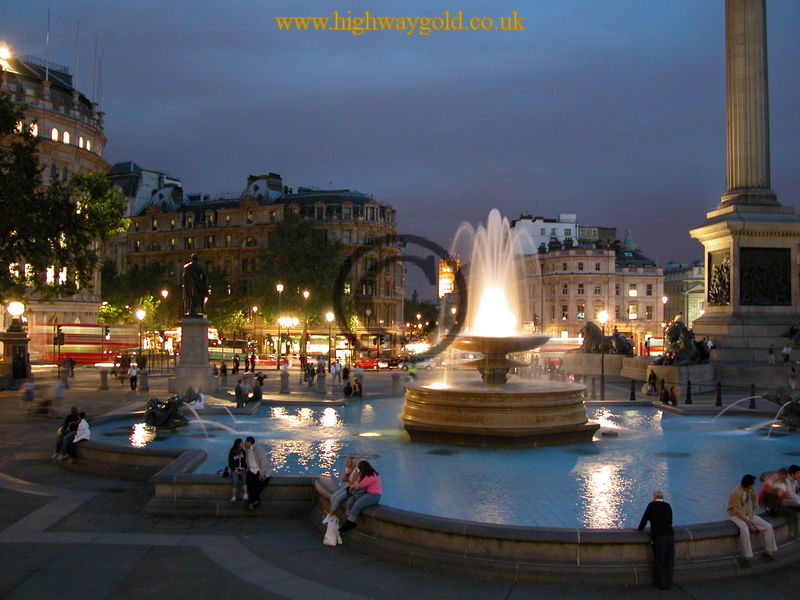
{"points": [[387, 362], [422, 363], [270, 359]]}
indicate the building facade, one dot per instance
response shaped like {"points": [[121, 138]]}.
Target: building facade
{"points": [[685, 290], [565, 288], [539, 231], [69, 127], [229, 232]]}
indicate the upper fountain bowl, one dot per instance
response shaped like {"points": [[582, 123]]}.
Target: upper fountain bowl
{"points": [[499, 345]]}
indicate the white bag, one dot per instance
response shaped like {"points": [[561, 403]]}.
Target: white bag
{"points": [[332, 537]]}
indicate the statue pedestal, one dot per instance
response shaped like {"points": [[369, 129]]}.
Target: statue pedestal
{"points": [[193, 367], [584, 363]]}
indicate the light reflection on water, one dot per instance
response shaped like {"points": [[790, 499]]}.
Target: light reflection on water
{"points": [[604, 483]]}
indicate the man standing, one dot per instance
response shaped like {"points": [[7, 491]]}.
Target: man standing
{"points": [[238, 393], [133, 374], [741, 510], [662, 539], [258, 471], [786, 352]]}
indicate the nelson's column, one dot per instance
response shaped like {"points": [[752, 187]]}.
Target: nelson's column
{"points": [[750, 239]]}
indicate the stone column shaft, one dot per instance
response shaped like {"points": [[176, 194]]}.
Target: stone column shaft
{"points": [[747, 103]]}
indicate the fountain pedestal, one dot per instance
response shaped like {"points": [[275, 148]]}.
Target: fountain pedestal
{"points": [[193, 367]]}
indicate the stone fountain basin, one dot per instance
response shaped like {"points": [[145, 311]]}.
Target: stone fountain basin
{"points": [[499, 345]]}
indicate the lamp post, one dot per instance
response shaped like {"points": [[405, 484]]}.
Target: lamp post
{"points": [[254, 310], [602, 316], [279, 289], [140, 314], [304, 342], [329, 318]]}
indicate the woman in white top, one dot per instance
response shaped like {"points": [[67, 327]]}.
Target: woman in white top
{"points": [[83, 433], [349, 477]]}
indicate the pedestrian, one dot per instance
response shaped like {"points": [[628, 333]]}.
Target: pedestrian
{"points": [[345, 373], [358, 391], [235, 369], [223, 372], [237, 464], [261, 377], [742, 511], [238, 393], [673, 398], [370, 482], [652, 382], [662, 539], [59, 388], [257, 395], [133, 375], [258, 471], [771, 355], [347, 390], [647, 346], [336, 373], [786, 353]]}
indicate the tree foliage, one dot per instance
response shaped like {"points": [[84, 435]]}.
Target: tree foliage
{"points": [[301, 258], [55, 227]]}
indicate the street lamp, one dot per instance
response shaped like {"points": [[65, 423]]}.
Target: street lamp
{"points": [[164, 294], [279, 289], [140, 314], [602, 316], [303, 342], [329, 316], [254, 310], [15, 309]]}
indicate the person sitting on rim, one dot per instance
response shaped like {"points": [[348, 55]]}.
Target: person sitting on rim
{"points": [[366, 492], [349, 477], [742, 511]]}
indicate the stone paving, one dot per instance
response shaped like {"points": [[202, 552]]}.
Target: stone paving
{"points": [[67, 535]]}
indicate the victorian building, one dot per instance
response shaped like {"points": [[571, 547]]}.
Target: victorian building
{"points": [[567, 286], [229, 233], [69, 127]]}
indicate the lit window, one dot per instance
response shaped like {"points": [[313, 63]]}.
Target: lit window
{"points": [[34, 130], [347, 288], [648, 312], [80, 141], [564, 311], [50, 275], [66, 137], [155, 224], [581, 311], [54, 134], [172, 243], [62, 275], [249, 216], [89, 145]]}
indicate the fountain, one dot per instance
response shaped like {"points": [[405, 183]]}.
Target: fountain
{"points": [[492, 411]]}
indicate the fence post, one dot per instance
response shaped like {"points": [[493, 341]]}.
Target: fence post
{"points": [[688, 392], [633, 391], [594, 391], [719, 394], [752, 404]]}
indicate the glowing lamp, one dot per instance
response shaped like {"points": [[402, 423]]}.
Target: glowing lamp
{"points": [[140, 314], [329, 316], [15, 309]]}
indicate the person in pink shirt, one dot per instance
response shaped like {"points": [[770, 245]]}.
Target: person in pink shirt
{"points": [[366, 492]]}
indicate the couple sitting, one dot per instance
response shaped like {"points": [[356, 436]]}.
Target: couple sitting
{"points": [[74, 429], [362, 488]]}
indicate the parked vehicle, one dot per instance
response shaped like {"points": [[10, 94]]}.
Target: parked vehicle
{"points": [[422, 363]]}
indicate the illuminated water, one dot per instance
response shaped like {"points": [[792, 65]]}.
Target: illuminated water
{"points": [[605, 483]]}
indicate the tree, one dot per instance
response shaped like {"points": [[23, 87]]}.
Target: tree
{"points": [[57, 227]]}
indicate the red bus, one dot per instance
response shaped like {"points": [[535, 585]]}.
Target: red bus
{"points": [[86, 343]]}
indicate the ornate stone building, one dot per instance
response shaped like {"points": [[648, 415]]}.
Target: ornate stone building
{"points": [[566, 287], [684, 287], [71, 139], [230, 231]]}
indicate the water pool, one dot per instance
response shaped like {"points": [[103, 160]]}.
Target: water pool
{"points": [[599, 484]]}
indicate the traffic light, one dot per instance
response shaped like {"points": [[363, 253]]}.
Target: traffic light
{"points": [[107, 333], [59, 337]]}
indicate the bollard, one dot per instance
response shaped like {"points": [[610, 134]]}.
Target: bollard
{"points": [[141, 383], [594, 391], [752, 405], [633, 391], [719, 394], [395, 383], [284, 382], [689, 392], [103, 379]]}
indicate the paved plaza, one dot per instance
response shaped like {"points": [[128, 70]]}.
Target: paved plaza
{"points": [[69, 535]]}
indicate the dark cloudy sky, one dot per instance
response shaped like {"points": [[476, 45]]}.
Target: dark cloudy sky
{"points": [[611, 109]]}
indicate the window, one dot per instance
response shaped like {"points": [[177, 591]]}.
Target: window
{"points": [[596, 266], [616, 312], [633, 311], [189, 221], [227, 219], [543, 231], [580, 266], [649, 291], [249, 216], [371, 213], [226, 267], [565, 290], [552, 313], [347, 288], [648, 312], [345, 213], [563, 266], [568, 232], [210, 241], [54, 134], [564, 311], [80, 142], [53, 171], [616, 289], [272, 216], [369, 264], [34, 129], [580, 289], [189, 243], [250, 241], [66, 137], [345, 236], [65, 173], [155, 224], [172, 223], [228, 240], [581, 314], [89, 145], [136, 225], [172, 243], [553, 232], [597, 291]]}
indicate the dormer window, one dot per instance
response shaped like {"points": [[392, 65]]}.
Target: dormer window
{"points": [[66, 137], [249, 216], [54, 134]]}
